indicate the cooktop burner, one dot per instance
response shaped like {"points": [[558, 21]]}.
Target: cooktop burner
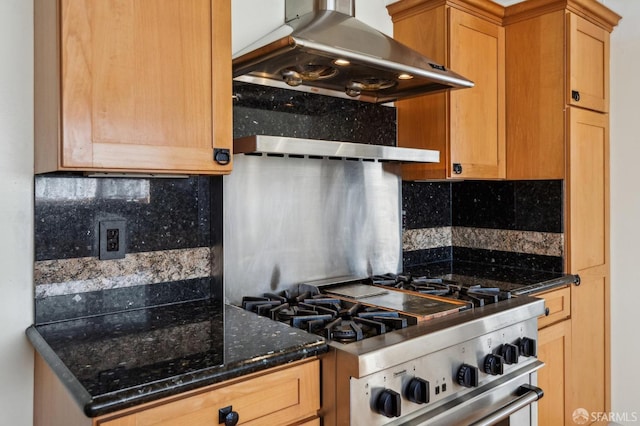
{"points": [[476, 294], [335, 319]]}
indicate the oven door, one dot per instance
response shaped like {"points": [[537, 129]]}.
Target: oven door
{"points": [[510, 400]]}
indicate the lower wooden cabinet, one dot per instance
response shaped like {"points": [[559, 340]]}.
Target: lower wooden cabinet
{"points": [[554, 349], [283, 397], [287, 395]]}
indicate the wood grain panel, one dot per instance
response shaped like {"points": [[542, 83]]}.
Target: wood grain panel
{"points": [[588, 189], [149, 74], [536, 125], [477, 115], [467, 126], [588, 64], [559, 304], [287, 396], [554, 348]]}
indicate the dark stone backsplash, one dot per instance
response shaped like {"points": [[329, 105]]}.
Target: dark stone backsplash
{"points": [[516, 205], [160, 214], [262, 110], [179, 221]]}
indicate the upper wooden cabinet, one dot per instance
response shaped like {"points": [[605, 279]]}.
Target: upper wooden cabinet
{"points": [[557, 55], [467, 126], [133, 86]]}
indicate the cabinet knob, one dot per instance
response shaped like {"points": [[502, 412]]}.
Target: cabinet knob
{"points": [[457, 168], [575, 95], [227, 416], [222, 156]]}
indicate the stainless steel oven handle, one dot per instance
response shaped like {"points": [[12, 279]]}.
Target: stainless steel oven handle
{"points": [[528, 394]]}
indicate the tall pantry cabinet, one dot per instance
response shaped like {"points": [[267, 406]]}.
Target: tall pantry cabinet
{"points": [[557, 83]]}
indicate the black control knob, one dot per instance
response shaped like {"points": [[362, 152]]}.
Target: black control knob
{"points": [[467, 376], [388, 403], [510, 353], [493, 364], [527, 347], [417, 391]]}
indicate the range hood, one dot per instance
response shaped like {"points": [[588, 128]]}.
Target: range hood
{"points": [[323, 49], [312, 148]]}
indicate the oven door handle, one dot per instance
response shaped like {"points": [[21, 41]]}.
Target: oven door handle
{"points": [[527, 394]]}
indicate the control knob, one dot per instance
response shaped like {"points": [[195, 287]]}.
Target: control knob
{"points": [[527, 347], [510, 353], [493, 364], [467, 376], [417, 391], [388, 403]]}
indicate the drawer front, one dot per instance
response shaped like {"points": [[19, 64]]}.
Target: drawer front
{"points": [[559, 304], [287, 396]]}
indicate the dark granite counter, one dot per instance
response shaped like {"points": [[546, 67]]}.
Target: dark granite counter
{"points": [[516, 280], [111, 362]]}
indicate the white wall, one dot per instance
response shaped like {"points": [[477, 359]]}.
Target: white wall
{"points": [[253, 19], [16, 211], [625, 207]]}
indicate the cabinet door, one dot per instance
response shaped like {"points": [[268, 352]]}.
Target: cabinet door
{"points": [[288, 396], [137, 87], [588, 256], [477, 115], [554, 349], [588, 53], [588, 189], [467, 126]]}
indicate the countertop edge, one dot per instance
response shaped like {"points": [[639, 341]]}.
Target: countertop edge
{"points": [[148, 392], [68, 379]]}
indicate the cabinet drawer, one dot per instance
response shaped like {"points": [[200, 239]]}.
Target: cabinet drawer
{"points": [[288, 396], [559, 304]]}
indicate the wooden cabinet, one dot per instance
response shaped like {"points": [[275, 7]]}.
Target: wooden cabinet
{"points": [[588, 64], [587, 237], [558, 128], [467, 126], [554, 348], [557, 57], [133, 86], [285, 395]]}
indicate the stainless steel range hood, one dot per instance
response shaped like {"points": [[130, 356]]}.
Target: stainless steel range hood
{"points": [[323, 49], [280, 146]]}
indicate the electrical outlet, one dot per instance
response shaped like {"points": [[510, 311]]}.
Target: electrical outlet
{"points": [[112, 239]]}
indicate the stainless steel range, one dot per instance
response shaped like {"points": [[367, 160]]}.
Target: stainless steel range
{"points": [[403, 357], [402, 351]]}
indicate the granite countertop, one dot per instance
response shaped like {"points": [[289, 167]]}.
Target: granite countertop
{"points": [[111, 362], [516, 280]]}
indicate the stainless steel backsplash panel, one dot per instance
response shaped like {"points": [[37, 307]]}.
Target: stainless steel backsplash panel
{"points": [[290, 220]]}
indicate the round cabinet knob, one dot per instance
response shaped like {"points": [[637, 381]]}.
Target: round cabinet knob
{"points": [[527, 347], [228, 417], [417, 391], [467, 376], [388, 403], [510, 353], [493, 364]]}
